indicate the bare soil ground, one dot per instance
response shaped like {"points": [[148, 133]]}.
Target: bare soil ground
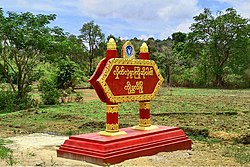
{"points": [[39, 149]]}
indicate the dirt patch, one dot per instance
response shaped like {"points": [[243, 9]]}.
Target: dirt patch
{"points": [[93, 124], [224, 135], [88, 94], [195, 131], [39, 149]]}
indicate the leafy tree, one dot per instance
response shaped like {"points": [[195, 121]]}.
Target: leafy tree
{"points": [[49, 92], [165, 60], [24, 40], [161, 52], [179, 37], [152, 45], [179, 50], [73, 48], [119, 44], [110, 36], [68, 74], [225, 40], [93, 36]]}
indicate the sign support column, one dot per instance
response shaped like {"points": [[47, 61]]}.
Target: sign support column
{"points": [[112, 124], [144, 106]]}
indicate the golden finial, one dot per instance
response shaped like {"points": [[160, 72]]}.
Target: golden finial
{"points": [[111, 45], [144, 48]]}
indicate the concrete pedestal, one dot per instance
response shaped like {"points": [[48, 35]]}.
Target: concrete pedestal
{"points": [[101, 150]]}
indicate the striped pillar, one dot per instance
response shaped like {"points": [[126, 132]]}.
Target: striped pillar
{"points": [[144, 109], [112, 118]]}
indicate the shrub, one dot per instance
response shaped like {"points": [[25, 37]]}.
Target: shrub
{"points": [[50, 93], [24, 103], [68, 75], [7, 100], [10, 102]]}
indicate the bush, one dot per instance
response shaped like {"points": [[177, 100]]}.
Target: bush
{"points": [[68, 75], [10, 102], [50, 93], [7, 100]]}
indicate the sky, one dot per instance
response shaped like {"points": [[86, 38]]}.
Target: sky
{"points": [[126, 18]]}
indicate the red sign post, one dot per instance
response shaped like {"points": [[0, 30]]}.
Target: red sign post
{"points": [[118, 80], [124, 80]]}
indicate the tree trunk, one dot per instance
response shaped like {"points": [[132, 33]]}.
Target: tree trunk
{"points": [[167, 72], [90, 66], [19, 86], [219, 80]]}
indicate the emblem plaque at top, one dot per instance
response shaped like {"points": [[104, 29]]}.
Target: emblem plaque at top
{"points": [[126, 79], [128, 50]]}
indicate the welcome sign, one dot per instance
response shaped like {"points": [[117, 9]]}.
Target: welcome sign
{"points": [[125, 80], [118, 80]]}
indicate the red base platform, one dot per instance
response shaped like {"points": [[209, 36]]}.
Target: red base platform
{"points": [[102, 150]]}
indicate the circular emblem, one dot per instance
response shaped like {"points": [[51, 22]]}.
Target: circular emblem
{"points": [[128, 50]]}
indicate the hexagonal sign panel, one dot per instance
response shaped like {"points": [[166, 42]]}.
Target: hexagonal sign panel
{"points": [[125, 80]]}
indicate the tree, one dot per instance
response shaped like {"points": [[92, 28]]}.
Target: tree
{"points": [[166, 62], [179, 37], [24, 40], [70, 46], [93, 36], [68, 74], [161, 53], [224, 39]]}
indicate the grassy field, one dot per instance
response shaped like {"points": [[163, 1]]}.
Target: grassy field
{"points": [[218, 118]]}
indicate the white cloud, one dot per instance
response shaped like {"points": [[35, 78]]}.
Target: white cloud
{"points": [[140, 18], [166, 32], [124, 38], [242, 6], [184, 26], [119, 17], [145, 37], [128, 10], [139, 10], [146, 16], [181, 9]]}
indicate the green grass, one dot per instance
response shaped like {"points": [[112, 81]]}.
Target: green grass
{"points": [[6, 153], [240, 152], [214, 109], [197, 111]]}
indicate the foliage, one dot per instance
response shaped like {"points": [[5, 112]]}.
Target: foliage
{"points": [[68, 46], [7, 100], [25, 39], [239, 152], [10, 103], [215, 53], [92, 35], [161, 53], [77, 51], [50, 93], [6, 153], [178, 37], [68, 74], [224, 39]]}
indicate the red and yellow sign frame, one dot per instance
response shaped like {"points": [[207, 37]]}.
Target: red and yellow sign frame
{"points": [[126, 79]]}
